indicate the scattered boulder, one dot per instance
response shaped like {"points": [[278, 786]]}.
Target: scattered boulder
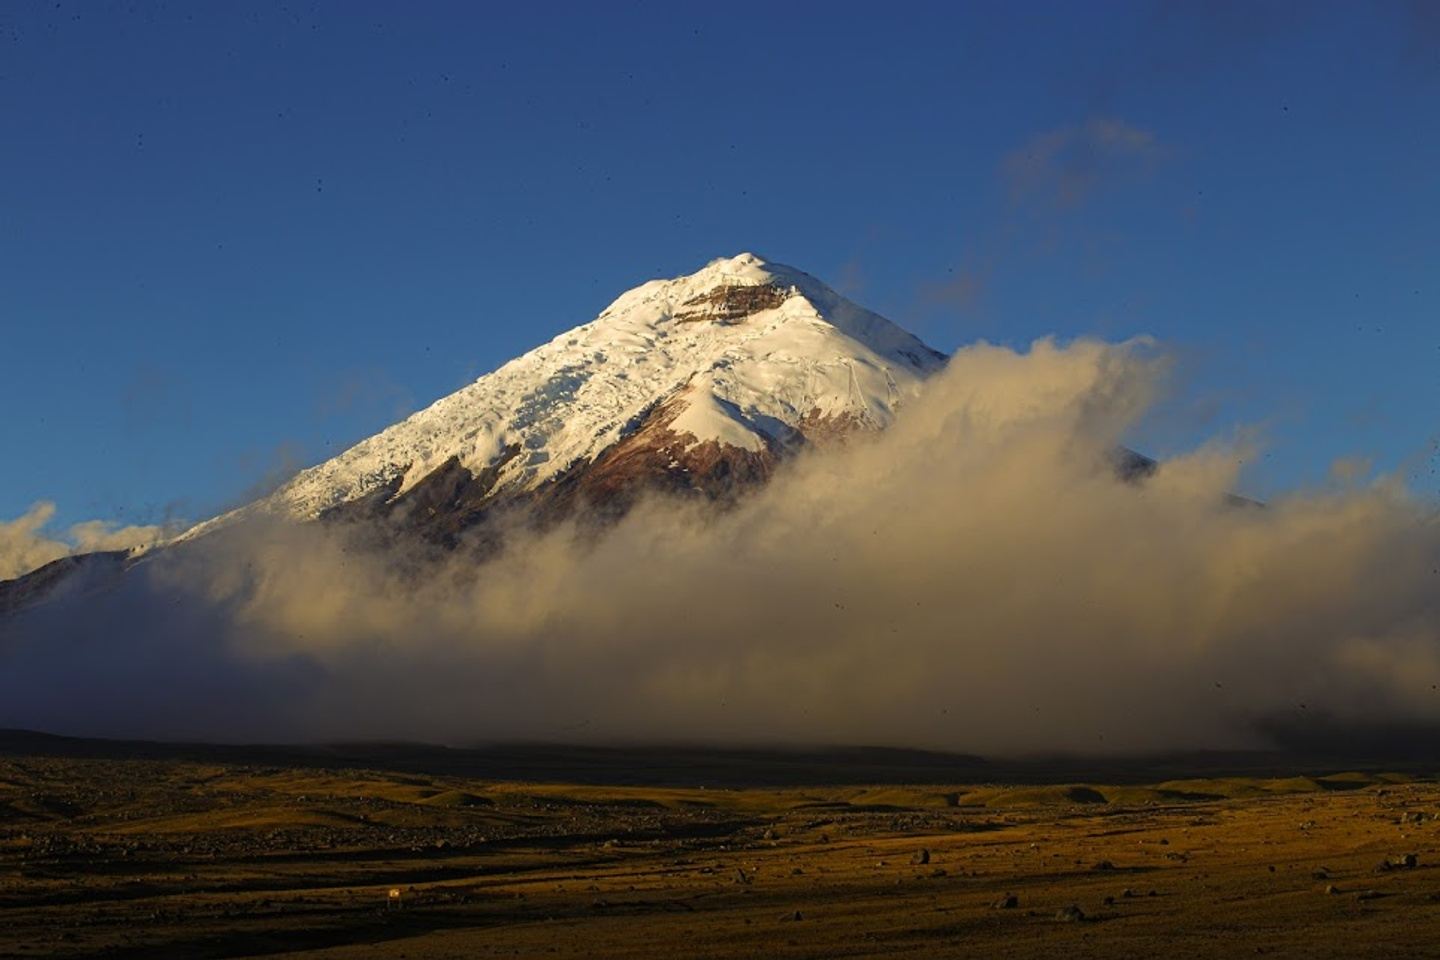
{"points": [[1332, 889], [1104, 865], [1070, 914], [1404, 861], [1007, 902], [920, 857]]}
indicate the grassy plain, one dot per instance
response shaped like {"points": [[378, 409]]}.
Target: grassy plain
{"points": [[168, 856]]}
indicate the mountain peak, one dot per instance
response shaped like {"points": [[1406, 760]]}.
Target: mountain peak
{"points": [[751, 269], [730, 289], [742, 263]]}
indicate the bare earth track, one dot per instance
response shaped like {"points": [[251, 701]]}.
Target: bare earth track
{"points": [[170, 856]]}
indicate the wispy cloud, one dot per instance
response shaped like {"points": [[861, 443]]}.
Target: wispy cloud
{"points": [[370, 391], [850, 279], [1050, 177], [1064, 167], [272, 469], [23, 546], [960, 290]]}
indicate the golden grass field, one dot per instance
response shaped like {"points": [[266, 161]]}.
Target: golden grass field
{"points": [[173, 858]]}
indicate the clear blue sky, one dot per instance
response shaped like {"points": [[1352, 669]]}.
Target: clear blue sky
{"points": [[235, 238]]}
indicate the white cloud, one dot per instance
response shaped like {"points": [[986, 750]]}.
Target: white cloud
{"points": [[25, 544], [975, 578]]}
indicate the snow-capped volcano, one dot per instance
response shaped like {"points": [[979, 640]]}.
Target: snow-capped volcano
{"points": [[700, 382]]}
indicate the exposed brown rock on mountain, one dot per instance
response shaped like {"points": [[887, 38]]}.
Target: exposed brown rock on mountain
{"points": [[732, 304]]}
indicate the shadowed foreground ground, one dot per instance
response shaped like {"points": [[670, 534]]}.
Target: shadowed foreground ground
{"points": [[169, 856]]}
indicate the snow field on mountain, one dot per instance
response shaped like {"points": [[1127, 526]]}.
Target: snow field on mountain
{"points": [[815, 354]]}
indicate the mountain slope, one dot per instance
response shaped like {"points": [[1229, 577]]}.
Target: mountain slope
{"points": [[696, 384]]}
